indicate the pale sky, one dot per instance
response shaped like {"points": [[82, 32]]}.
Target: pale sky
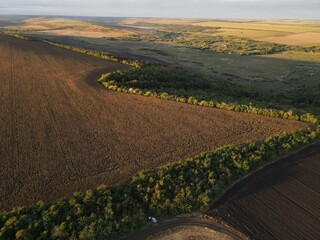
{"points": [[256, 9]]}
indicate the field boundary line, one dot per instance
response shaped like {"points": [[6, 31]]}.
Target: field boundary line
{"points": [[219, 201]]}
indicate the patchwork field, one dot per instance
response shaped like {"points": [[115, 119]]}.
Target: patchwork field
{"points": [[279, 202], [61, 132], [250, 71], [272, 25], [69, 27]]}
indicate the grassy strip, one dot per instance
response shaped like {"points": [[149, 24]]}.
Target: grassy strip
{"points": [[107, 213]]}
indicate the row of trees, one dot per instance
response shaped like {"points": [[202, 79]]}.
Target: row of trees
{"points": [[184, 84], [151, 80], [192, 185], [107, 213], [103, 55]]}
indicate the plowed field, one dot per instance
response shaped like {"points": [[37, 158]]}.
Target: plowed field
{"points": [[280, 202], [61, 132]]}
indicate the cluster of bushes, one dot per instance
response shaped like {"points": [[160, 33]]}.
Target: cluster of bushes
{"points": [[151, 80], [152, 76], [240, 46], [102, 213], [203, 38], [311, 49], [16, 35], [178, 81], [301, 97], [107, 213]]}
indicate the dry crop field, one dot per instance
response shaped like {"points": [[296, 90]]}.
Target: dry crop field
{"points": [[68, 27], [61, 132], [280, 202]]}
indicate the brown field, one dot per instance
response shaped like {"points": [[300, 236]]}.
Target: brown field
{"points": [[279, 202], [61, 132], [300, 39]]}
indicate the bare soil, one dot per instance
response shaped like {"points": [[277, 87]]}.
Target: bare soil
{"points": [[190, 233], [61, 132], [281, 201]]}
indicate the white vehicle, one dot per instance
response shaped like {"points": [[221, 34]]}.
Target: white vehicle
{"points": [[153, 219]]}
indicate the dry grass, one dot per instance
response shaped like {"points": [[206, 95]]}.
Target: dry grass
{"points": [[251, 34], [301, 39], [272, 26], [296, 56], [69, 27], [261, 25], [112, 33], [134, 21]]}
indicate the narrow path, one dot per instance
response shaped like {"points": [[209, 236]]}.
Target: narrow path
{"points": [[192, 221]]}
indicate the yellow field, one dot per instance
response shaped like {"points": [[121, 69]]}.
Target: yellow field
{"points": [[69, 27], [289, 26], [87, 33], [247, 33], [133, 21], [296, 56], [301, 39], [282, 26], [289, 32]]}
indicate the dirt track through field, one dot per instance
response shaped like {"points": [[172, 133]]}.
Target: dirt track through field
{"points": [[61, 132], [281, 201]]}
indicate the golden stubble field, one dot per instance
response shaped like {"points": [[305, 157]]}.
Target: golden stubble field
{"points": [[69, 27]]}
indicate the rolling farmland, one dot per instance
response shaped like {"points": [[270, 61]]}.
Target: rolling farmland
{"points": [[61, 132], [279, 202]]}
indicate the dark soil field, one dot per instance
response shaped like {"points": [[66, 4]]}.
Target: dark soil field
{"points": [[61, 132], [280, 202]]}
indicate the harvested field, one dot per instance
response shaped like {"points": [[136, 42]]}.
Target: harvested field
{"points": [[250, 33], [279, 202], [69, 27], [61, 132], [300, 39]]}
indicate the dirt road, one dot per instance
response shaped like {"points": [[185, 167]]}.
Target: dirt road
{"points": [[211, 224]]}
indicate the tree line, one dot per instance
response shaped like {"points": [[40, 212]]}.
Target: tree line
{"points": [[183, 187], [166, 83]]}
